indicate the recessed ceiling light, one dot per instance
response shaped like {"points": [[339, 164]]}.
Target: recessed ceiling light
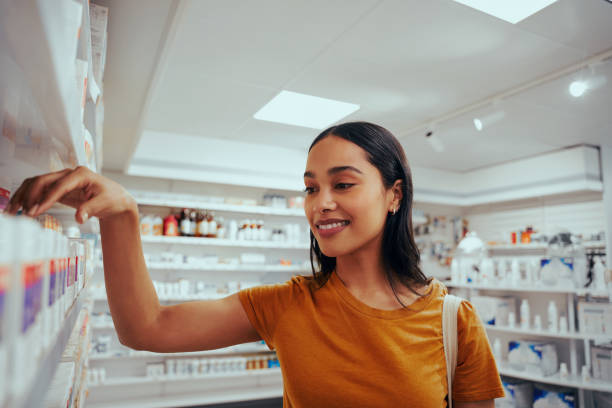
{"points": [[511, 11], [292, 108]]}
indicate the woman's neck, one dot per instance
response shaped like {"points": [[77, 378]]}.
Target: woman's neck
{"points": [[363, 271]]}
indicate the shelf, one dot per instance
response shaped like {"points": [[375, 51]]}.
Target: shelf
{"points": [[203, 205], [163, 379], [42, 38], [538, 246], [571, 381], [148, 239], [200, 354], [205, 398], [175, 299], [544, 333], [167, 266], [579, 292]]}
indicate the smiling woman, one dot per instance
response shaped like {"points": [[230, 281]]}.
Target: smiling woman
{"points": [[365, 329]]}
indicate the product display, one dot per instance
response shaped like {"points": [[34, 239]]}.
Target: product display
{"points": [[537, 357]]}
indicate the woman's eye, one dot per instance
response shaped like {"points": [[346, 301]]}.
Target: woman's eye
{"points": [[343, 186], [309, 190]]}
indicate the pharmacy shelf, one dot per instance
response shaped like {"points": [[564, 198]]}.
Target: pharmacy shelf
{"points": [[205, 398], [35, 396], [150, 355], [543, 333], [119, 381], [175, 299], [148, 239], [167, 266], [572, 381], [203, 205], [43, 37], [539, 246], [579, 292]]}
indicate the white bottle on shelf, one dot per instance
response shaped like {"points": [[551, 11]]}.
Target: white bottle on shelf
{"points": [[599, 275], [516, 272], [497, 351], [6, 266], [553, 317], [525, 314], [455, 273]]}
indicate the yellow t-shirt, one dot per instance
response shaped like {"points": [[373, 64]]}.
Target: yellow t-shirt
{"points": [[335, 351]]}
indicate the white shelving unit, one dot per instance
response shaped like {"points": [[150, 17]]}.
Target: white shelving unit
{"points": [[571, 336], [212, 206], [148, 239], [167, 266]]}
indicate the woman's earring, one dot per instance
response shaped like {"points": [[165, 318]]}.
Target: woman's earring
{"points": [[394, 211]]}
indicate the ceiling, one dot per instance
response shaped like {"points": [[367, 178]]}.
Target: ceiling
{"points": [[203, 68]]}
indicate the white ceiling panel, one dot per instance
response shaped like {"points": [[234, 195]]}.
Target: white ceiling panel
{"points": [[263, 43], [275, 134]]}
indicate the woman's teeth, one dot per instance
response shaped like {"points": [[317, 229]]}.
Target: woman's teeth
{"points": [[334, 225]]}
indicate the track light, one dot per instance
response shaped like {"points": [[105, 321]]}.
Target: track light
{"points": [[433, 139], [484, 121], [579, 87]]}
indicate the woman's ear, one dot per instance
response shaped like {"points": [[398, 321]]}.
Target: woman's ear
{"points": [[398, 194]]}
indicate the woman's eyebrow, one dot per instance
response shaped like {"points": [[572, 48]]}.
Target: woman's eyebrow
{"points": [[334, 170]]}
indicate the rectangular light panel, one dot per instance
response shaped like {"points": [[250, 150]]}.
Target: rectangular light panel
{"points": [[292, 108], [511, 11]]}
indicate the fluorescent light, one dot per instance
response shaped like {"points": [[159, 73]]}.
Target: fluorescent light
{"points": [[511, 11], [292, 108], [478, 124]]}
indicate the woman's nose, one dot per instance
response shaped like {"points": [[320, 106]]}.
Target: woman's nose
{"points": [[324, 202]]}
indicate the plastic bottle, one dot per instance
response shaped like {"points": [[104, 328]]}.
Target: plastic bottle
{"points": [[27, 273], [455, 274], [599, 275], [158, 226], [185, 223], [525, 314], [212, 226], [171, 226], [516, 272], [6, 262], [497, 351], [553, 317]]}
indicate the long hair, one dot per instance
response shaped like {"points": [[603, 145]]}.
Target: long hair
{"points": [[400, 253]]}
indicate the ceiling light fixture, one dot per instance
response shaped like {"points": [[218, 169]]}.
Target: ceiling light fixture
{"points": [[512, 11], [292, 108], [579, 87], [487, 120], [433, 139]]}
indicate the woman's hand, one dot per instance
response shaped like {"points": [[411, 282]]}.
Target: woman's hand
{"points": [[91, 194]]}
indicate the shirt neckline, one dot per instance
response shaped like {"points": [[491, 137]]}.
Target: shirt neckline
{"points": [[415, 307]]}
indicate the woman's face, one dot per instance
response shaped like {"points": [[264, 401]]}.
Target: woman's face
{"points": [[346, 202]]}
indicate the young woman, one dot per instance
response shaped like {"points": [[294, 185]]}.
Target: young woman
{"points": [[364, 331]]}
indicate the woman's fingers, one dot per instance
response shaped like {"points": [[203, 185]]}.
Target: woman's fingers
{"points": [[73, 180], [16, 201], [39, 185]]}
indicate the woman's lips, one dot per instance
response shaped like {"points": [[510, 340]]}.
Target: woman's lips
{"points": [[327, 230]]}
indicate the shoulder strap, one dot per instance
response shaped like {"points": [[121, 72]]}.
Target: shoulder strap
{"points": [[449, 333]]}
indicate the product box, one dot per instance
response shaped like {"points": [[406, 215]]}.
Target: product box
{"points": [[601, 361], [595, 318], [553, 397], [519, 394], [494, 310], [537, 357]]}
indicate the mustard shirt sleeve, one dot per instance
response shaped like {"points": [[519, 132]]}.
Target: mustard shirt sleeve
{"points": [[264, 306], [476, 375]]}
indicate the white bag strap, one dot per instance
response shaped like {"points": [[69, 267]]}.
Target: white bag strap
{"points": [[449, 333]]}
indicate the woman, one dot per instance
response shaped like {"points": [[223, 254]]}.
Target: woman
{"points": [[363, 331]]}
